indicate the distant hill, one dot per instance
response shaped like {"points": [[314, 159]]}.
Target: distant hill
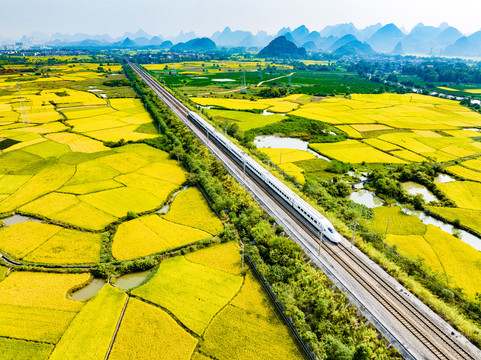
{"points": [[469, 46], [385, 39], [281, 47], [354, 48], [166, 44], [300, 33], [198, 44], [128, 43], [398, 50], [341, 42]]}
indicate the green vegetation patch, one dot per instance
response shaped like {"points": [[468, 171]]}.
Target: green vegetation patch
{"points": [[16, 160]]}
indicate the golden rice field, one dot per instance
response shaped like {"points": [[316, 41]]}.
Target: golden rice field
{"points": [[35, 311], [13, 349], [464, 193], [90, 333], [89, 191], [194, 293], [249, 318], [443, 252], [245, 120], [467, 217], [50, 244], [474, 164], [284, 159], [464, 172], [190, 208], [152, 234], [234, 312], [155, 335], [420, 127], [354, 151]]}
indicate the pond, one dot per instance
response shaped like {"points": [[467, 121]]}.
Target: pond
{"points": [[277, 142], [126, 282], [367, 198], [267, 113], [443, 178], [90, 290], [17, 219], [223, 80], [415, 189]]}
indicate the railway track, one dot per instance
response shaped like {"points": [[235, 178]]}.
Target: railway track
{"points": [[437, 343]]}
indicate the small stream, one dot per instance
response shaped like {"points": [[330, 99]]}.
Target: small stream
{"points": [[369, 199], [277, 142], [165, 209], [466, 237]]}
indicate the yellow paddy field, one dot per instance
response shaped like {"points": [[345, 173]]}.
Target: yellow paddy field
{"points": [[392, 128], [441, 251]]}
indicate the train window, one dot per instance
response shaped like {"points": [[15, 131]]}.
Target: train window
{"points": [[331, 230]]}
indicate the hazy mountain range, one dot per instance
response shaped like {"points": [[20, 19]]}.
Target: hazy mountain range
{"points": [[339, 39]]}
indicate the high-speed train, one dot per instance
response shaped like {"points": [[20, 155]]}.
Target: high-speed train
{"points": [[311, 217]]}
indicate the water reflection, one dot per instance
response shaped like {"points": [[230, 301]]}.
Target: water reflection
{"points": [[367, 198], [443, 178], [415, 189]]}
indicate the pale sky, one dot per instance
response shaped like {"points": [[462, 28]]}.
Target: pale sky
{"points": [[115, 17]]}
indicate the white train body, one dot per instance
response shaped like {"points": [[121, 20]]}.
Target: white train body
{"points": [[312, 217]]}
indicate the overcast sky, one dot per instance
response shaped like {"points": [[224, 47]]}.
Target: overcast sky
{"points": [[115, 17]]}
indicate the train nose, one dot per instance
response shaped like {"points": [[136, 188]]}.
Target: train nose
{"points": [[337, 237]]}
